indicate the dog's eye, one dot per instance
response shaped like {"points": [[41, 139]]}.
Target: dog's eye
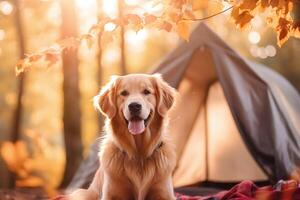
{"points": [[124, 93], [146, 92]]}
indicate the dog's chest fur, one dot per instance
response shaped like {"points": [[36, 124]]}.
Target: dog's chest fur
{"points": [[141, 172]]}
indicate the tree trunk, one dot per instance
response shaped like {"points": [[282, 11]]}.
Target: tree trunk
{"points": [[17, 116], [99, 61], [122, 32], [71, 95]]}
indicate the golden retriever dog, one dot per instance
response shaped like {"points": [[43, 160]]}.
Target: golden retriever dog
{"points": [[136, 155]]}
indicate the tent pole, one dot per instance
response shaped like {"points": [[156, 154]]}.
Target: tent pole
{"points": [[206, 135]]}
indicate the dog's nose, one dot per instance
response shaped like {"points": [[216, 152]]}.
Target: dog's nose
{"points": [[135, 108]]}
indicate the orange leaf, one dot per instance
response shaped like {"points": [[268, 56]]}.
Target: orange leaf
{"points": [[96, 29], [183, 29], [35, 57], [265, 3], [8, 154], [235, 13], [199, 4], [189, 15], [296, 29], [283, 30], [89, 39], [134, 21], [274, 3], [149, 19], [133, 18], [175, 16], [243, 19], [166, 26], [52, 58], [248, 4], [22, 66]]}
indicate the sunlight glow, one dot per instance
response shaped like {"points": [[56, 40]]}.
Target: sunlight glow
{"points": [[254, 37], [257, 22], [110, 26], [110, 8], [84, 4], [134, 38], [132, 2], [53, 14], [6, 7], [154, 8], [2, 34], [111, 55]]}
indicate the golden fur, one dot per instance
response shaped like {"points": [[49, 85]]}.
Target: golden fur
{"points": [[134, 167]]}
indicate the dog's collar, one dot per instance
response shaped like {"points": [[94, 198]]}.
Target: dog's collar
{"points": [[159, 145]]}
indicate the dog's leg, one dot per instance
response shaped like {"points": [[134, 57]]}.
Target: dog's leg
{"points": [[162, 190], [116, 188], [96, 185]]}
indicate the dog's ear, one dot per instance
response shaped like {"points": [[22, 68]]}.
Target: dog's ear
{"points": [[165, 95], [106, 99]]}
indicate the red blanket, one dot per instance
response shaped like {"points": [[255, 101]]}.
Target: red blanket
{"points": [[247, 190]]}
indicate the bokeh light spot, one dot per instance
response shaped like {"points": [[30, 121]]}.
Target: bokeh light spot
{"points": [[270, 50], [254, 37], [110, 26], [6, 7]]}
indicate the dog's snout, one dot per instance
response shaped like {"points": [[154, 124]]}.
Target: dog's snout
{"points": [[135, 108]]}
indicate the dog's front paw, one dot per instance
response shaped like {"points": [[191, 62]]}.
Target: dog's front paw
{"points": [[61, 197], [80, 194]]}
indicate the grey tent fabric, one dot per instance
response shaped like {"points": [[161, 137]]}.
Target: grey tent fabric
{"points": [[264, 106]]}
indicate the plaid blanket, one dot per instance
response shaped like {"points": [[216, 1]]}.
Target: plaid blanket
{"points": [[247, 190]]}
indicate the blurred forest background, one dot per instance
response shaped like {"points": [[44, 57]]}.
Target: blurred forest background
{"points": [[47, 120]]}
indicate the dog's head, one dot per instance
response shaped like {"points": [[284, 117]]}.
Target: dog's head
{"points": [[135, 99]]}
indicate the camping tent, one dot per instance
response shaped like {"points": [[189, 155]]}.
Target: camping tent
{"points": [[234, 120]]}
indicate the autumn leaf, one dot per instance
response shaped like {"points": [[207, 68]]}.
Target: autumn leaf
{"points": [[34, 57], [189, 15], [96, 29], [283, 30], [22, 66], [183, 29], [178, 3], [243, 19], [148, 18], [248, 5], [199, 4], [135, 21], [175, 16], [14, 155], [265, 3], [274, 3], [296, 29], [166, 26], [133, 18], [89, 39], [52, 57], [235, 12]]}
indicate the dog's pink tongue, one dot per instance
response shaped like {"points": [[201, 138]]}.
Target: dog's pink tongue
{"points": [[136, 127]]}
